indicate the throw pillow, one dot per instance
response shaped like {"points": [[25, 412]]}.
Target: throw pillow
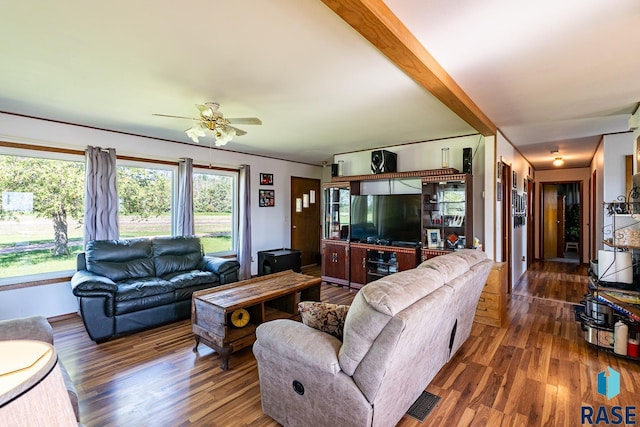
{"points": [[324, 316]]}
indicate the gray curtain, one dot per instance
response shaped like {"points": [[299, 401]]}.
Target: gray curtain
{"points": [[185, 225], [244, 233], [101, 195]]}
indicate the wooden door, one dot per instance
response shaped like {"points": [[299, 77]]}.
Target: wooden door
{"points": [[335, 262], [561, 226], [305, 225], [531, 188], [550, 220], [358, 262], [507, 222]]}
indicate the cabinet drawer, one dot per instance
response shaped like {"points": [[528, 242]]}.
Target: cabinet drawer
{"points": [[488, 320], [488, 300], [493, 282]]}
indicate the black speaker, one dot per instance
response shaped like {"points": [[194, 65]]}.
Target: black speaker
{"points": [[383, 161], [334, 169], [467, 167]]}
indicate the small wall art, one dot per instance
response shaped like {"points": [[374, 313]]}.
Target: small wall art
{"points": [[267, 198], [515, 179], [266, 179]]}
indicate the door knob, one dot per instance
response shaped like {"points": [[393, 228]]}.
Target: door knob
{"points": [[294, 226]]}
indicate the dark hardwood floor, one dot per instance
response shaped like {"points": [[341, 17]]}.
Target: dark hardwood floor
{"points": [[535, 371]]}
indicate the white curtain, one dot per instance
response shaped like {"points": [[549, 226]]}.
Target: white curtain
{"points": [[101, 195], [185, 225], [244, 234]]}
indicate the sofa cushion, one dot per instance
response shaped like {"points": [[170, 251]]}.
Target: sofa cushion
{"points": [[324, 316], [120, 259], [140, 288], [172, 254], [139, 294], [376, 304], [186, 279], [450, 266]]}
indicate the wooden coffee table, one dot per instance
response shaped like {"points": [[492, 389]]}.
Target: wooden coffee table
{"points": [[275, 296]]}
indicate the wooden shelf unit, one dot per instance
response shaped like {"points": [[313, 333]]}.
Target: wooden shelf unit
{"points": [[492, 306]]}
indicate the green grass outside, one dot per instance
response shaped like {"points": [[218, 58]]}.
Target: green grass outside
{"points": [[42, 261], [31, 230]]}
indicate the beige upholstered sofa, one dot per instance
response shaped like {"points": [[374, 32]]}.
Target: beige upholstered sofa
{"points": [[398, 333]]}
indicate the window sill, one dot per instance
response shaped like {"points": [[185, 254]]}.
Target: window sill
{"points": [[32, 280]]}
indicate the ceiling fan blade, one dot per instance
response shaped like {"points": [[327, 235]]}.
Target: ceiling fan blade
{"points": [[175, 117], [239, 132], [245, 121]]}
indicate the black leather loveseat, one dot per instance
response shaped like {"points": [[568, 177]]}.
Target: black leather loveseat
{"points": [[130, 285]]}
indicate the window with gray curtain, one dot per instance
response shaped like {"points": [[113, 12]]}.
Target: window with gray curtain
{"points": [[101, 195], [244, 232], [185, 226]]}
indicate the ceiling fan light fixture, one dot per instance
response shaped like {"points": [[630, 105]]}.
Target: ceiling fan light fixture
{"points": [[195, 131], [558, 161], [224, 135]]}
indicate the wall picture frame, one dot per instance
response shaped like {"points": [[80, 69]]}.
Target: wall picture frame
{"points": [[267, 198], [266, 179], [433, 237], [515, 179]]}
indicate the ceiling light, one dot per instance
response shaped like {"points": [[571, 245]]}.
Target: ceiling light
{"points": [[558, 161]]}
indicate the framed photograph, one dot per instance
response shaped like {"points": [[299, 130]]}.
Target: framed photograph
{"points": [[433, 237], [266, 179], [499, 170], [515, 179], [267, 198], [498, 191]]}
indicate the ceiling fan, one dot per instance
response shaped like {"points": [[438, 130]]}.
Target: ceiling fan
{"points": [[213, 120]]}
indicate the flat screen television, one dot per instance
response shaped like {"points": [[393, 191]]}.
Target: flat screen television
{"points": [[392, 219]]}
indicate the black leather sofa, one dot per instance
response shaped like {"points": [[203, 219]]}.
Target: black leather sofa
{"points": [[130, 285]]}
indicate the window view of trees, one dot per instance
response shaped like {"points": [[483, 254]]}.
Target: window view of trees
{"points": [[42, 210], [40, 216], [214, 198], [145, 201]]}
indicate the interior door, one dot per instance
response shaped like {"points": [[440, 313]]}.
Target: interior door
{"points": [[507, 222], [530, 221], [305, 222], [560, 218], [550, 220]]}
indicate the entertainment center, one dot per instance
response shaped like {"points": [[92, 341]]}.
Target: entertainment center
{"points": [[367, 236]]}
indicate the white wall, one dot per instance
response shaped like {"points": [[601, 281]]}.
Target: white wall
{"points": [[427, 155], [597, 166], [509, 155], [270, 227]]}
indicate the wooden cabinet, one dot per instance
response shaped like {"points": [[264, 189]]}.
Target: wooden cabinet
{"points": [[335, 262], [371, 262], [492, 306], [358, 265]]}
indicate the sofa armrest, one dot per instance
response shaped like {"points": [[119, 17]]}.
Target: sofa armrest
{"points": [[219, 265], [29, 328], [300, 343], [85, 283]]}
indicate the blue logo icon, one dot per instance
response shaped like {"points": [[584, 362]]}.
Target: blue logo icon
{"points": [[609, 385]]}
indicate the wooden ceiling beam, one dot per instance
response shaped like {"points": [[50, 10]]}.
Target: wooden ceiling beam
{"points": [[382, 28]]}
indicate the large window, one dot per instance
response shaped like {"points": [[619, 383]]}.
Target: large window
{"points": [[215, 210], [40, 214], [145, 195], [42, 209]]}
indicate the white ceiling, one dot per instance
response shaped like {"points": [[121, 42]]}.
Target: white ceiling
{"points": [[548, 74]]}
